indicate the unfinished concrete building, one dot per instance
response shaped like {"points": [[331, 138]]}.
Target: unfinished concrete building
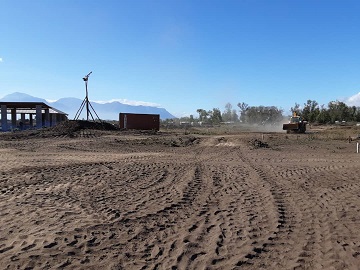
{"points": [[32, 115]]}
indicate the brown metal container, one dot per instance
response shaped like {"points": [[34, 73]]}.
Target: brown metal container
{"points": [[139, 121]]}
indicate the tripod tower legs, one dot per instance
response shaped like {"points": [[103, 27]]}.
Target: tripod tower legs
{"points": [[86, 103]]}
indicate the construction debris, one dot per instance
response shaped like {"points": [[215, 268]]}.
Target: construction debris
{"points": [[259, 144]]}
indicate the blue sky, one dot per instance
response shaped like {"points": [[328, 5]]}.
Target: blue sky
{"points": [[182, 55]]}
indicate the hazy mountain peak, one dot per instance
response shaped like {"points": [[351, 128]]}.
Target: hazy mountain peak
{"points": [[18, 97], [106, 111]]}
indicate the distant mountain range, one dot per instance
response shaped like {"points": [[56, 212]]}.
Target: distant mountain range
{"points": [[105, 111]]}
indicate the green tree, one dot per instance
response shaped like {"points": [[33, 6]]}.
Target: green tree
{"points": [[310, 111], [234, 116], [243, 107], [203, 114], [264, 115], [323, 116], [355, 113], [338, 111], [274, 115], [191, 118], [296, 109], [216, 116], [226, 115]]}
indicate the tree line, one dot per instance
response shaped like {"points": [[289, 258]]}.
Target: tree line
{"points": [[311, 111], [244, 113], [335, 111]]}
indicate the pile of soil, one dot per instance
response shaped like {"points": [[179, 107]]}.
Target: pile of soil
{"points": [[258, 144], [184, 141], [160, 139], [71, 126]]}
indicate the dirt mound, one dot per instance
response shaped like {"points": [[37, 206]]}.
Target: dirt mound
{"points": [[71, 126], [158, 140], [258, 144], [184, 141]]}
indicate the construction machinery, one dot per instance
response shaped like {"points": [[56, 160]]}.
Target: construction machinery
{"points": [[295, 125]]}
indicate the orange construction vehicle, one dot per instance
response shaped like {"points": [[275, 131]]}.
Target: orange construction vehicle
{"points": [[296, 125]]}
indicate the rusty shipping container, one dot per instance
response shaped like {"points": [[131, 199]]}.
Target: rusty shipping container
{"points": [[139, 121]]}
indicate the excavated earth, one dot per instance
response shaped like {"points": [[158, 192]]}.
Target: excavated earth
{"points": [[90, 199]]}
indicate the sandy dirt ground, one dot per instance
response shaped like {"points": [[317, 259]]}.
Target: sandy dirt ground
{"points": [[174, 201]]}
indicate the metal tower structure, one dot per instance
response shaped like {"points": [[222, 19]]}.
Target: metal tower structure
{"points": [[86, 103]]}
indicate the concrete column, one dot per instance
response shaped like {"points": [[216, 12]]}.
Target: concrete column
{"points": [[47, 118], [4, 125], [13, 118], [31, 122], [53, 119], [38, 116], [22, 119]]}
